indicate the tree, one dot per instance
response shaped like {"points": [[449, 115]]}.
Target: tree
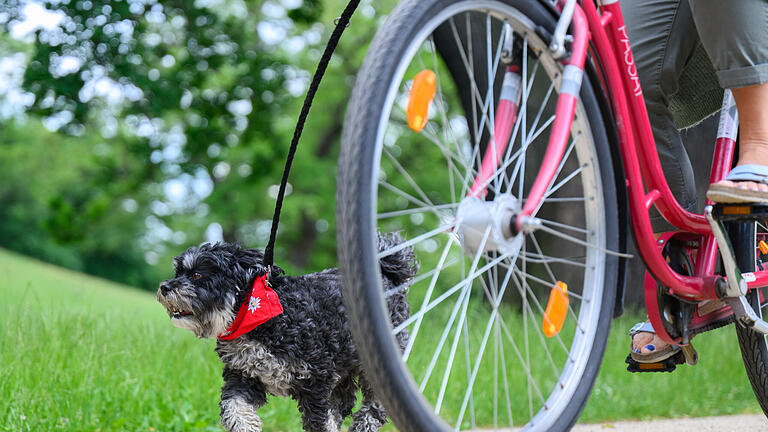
{"points": [[188, 109]]}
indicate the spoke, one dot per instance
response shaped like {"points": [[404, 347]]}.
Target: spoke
{"points": [[409, 179], [416, 210], [559, 200], [557, 172], [417, 279], [468, 367], [535, 68], [506, 384], [496, 339], [427, 297], [443, 338], [546, 263], [531, 382], [542, 128], [546, 284], [562, 183], [400, 115], [541, 309], [492, 67], [579, 241], [509, 160], [543, 105], [411, 242], [471, 173], [443, 103], [528, 311], [454, 345], [564, 226], [475, 93], [542, 259], [459, 158], [524, 115], [476, 367], [404, 194], [448, 293]]}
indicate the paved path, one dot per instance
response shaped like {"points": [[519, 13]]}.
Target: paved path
{"points": [[739, 423]]}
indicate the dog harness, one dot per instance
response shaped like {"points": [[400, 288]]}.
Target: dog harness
{"points": [[261, 306]]}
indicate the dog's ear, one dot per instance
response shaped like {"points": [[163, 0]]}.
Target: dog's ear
{"points": [[249, 261]]}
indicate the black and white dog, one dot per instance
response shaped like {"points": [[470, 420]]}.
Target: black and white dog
{"points": [[306, 352]]}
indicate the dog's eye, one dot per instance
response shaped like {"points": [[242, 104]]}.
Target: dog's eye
{"points": [[196, 276]]}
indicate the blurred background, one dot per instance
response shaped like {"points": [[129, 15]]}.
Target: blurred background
{"points": [[133, 129], [130, 130]]}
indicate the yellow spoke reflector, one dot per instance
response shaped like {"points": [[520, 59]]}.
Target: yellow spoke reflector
{"points": [[763, 247], [421, 94], [557, 308]]}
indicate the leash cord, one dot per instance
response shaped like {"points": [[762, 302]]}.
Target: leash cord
{"points": [[341, 23]]}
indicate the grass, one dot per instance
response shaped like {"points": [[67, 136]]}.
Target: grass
{"points": [[82, 354], [78, 353]]}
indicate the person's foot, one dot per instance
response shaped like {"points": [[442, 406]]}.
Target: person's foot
{"points": [[646, 342], [647, 347], [744, 184], [748, 185]]}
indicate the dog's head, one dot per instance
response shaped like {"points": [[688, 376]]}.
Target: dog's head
{"points": [[209, 282]]}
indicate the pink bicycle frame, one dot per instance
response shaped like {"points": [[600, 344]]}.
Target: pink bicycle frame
{"points": [[607, 32]]}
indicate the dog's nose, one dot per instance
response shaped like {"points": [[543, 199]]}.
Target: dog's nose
{"points": [[164, 288]]}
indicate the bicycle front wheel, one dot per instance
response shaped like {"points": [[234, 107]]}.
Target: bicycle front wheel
{"points": [[478, 352]]}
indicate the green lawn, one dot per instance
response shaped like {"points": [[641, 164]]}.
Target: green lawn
{"points": [[79, 353]]}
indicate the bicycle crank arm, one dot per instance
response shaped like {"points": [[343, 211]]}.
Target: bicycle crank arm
{"points": [[737, 286]]}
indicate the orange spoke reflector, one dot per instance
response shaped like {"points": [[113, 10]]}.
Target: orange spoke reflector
{"points": [[421, 94], [763, 247], [557, 308]]}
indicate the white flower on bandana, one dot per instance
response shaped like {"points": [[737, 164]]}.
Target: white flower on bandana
{"points": [[254, 303]]}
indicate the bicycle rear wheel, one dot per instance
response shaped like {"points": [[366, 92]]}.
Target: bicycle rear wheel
{"points": [[477, 355], [754, 348]]}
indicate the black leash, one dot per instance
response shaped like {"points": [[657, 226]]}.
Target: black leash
{"points": [[341, 23]]}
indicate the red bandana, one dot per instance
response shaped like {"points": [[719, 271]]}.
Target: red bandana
{"points": [[261, 306]]}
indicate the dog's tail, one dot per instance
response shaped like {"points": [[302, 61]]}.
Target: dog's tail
{"points": [[399, 267]]}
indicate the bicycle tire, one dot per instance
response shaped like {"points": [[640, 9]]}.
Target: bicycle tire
{"points": [[357, 182], [753, 346]]}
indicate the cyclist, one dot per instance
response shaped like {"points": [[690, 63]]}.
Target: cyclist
{"points": [[676, 43]]}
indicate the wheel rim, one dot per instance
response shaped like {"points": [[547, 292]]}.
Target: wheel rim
{"points": [[476, 316]]}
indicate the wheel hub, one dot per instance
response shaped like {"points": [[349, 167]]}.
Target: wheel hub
{"points": [[487, 225]]}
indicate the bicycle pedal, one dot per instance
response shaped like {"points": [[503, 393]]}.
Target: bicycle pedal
{"points": [[667, 365], [744, 212]]}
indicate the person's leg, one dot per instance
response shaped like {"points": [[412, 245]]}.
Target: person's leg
{"points": [[735, 36], [752, 103], [663, 37]]}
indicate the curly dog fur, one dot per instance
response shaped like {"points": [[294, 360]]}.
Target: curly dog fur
{"points": [[306, 353]]}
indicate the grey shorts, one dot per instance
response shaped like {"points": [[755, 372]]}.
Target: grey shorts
{"points": [[686, 51], [735, 35]]}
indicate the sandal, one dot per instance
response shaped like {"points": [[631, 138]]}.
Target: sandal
{"points": [[734, 193], [654, 355]]}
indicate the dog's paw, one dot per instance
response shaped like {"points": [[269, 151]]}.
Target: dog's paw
{"points": [[237, 415], [369, 418]]}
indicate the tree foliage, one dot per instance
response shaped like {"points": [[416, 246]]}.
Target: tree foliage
{"points": [[172, 123]]}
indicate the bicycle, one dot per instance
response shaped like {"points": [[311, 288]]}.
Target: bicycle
{"points": [[546, 148]]}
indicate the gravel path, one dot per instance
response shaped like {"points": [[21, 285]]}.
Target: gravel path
{"points": [[739, 423]]}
